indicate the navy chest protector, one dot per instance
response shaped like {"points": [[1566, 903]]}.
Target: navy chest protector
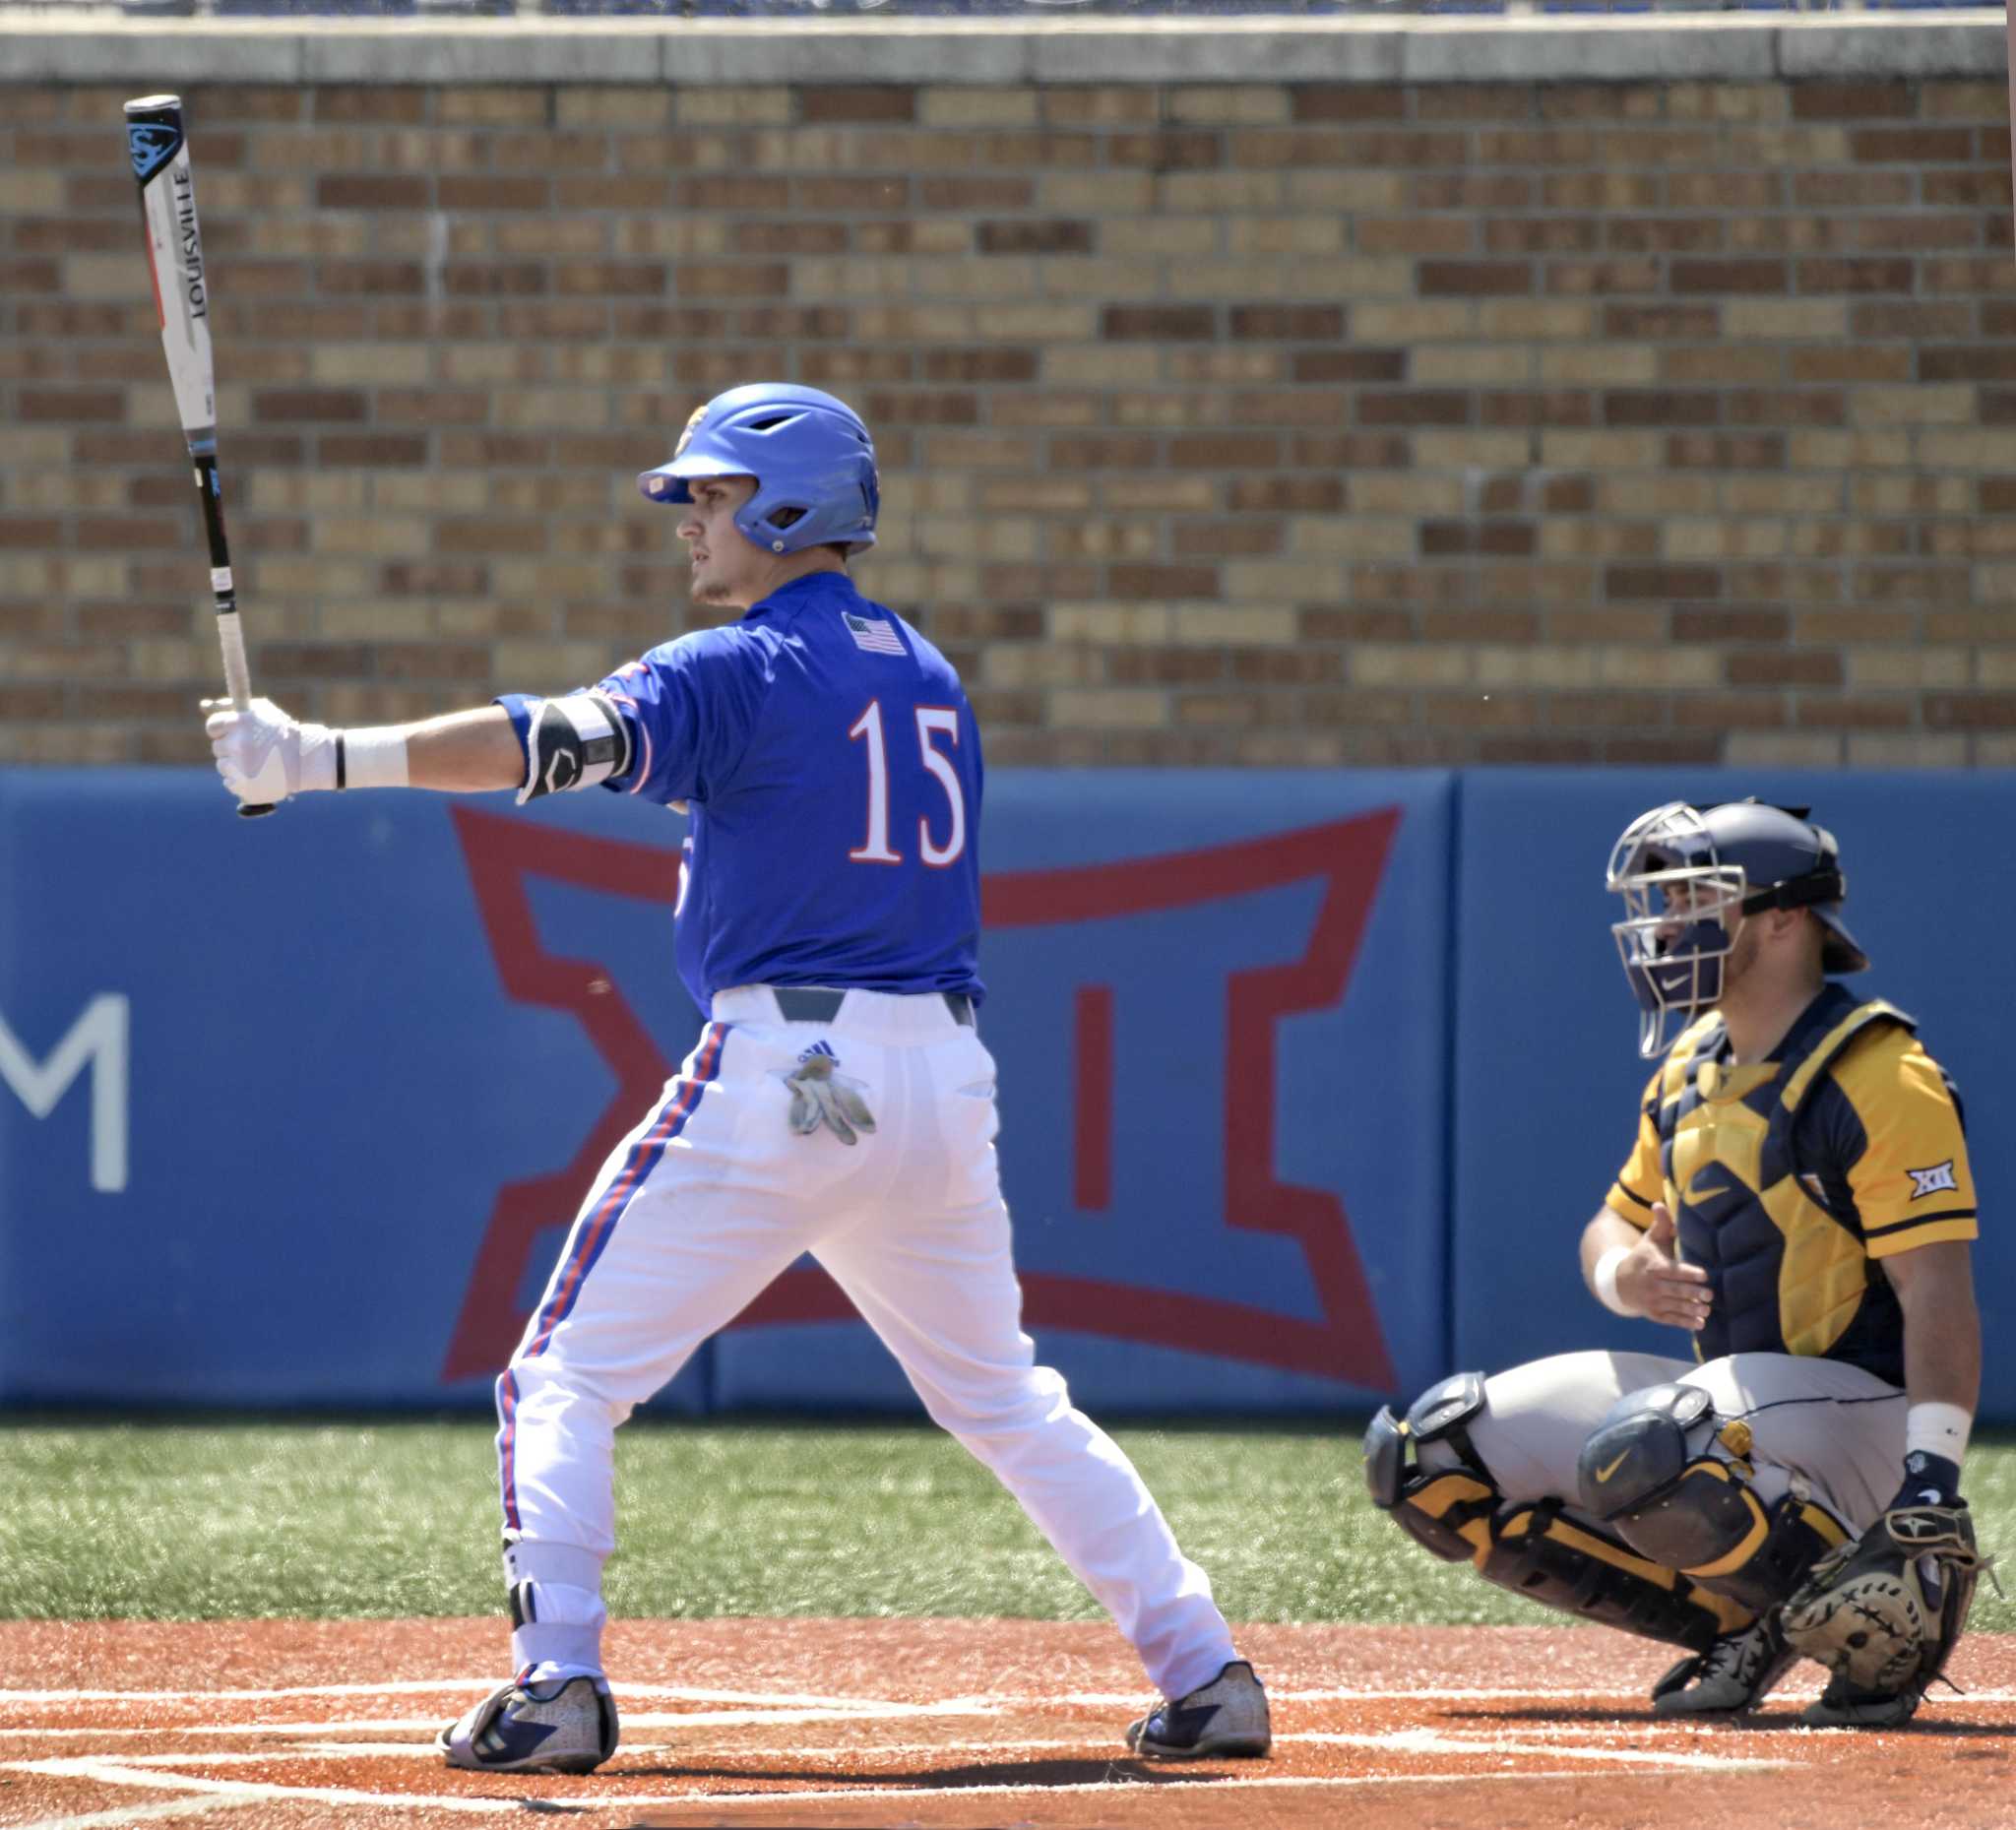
{"points": [[1761, 1200]]}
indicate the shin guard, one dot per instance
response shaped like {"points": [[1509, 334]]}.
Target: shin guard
{"points": [[1528, 1547], [1672, 1481]]}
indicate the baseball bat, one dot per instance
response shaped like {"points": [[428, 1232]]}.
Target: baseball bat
{"points": [[159, 147]]}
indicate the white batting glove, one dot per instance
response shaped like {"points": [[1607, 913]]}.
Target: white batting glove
{"points": [[264, 755], [822, 1097]]}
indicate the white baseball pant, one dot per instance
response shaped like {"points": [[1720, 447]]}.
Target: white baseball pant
{"points": [[709, 1200]]}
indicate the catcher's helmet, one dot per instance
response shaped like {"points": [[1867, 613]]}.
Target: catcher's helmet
{"points": [[811, 456], [1683, 870]]}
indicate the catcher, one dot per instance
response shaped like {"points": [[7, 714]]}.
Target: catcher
{"points": [[1798, 1198]]}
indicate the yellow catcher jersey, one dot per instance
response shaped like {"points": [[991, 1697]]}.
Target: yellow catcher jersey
{"points": [[1791, 1181]]}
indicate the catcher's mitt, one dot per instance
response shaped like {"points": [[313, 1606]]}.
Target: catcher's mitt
{"points": [[1886, 1610]]}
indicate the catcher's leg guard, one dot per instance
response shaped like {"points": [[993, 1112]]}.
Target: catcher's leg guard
{"points": [[1651, 1472], [1439, 1511], [1459, 1514]]}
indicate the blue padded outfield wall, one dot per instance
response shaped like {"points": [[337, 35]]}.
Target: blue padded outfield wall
{"points": [[1308, 1079]]}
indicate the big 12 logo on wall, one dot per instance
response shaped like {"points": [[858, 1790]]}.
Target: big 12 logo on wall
{"points": [[1195, 1081]]}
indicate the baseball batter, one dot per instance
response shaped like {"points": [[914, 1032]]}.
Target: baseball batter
{"points": [[1798, 1197], [840, 1100]]}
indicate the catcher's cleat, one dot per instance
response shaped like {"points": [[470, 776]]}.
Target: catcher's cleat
{"points": [[1732, 1678], [1226, 1720], [565, 1726], [1842, 1706]]}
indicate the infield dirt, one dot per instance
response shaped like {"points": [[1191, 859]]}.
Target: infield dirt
{"points": [[956, 1724]]}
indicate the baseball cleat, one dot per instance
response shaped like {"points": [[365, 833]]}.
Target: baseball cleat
{"points": [[1843, 1706], [1733, 1677], [565, 1726], [1226, 1720]]}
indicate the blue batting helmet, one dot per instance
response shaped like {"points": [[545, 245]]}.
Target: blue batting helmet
{"points": [[1686, 874], [811, 456]]}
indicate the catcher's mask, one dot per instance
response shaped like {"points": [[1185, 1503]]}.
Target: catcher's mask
{"points": [[1688, 875]]}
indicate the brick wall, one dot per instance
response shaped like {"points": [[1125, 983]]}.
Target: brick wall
{"points": [[1341, 423]]}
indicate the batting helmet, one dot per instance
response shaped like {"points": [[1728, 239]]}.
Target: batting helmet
{"points": [[811, 456], [1684, 870]]}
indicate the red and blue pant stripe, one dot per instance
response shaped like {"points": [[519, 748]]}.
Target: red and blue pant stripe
{"points": [[591, 1237]]}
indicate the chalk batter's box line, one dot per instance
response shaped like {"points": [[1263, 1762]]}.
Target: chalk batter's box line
{"points": [[226, 1795], [197, 1794], [307, 1731], [845, 1706], [764, 1705], [428, 1686], [1493, 1741], [134, 1814]]}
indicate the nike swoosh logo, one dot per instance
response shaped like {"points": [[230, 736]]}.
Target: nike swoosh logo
{"points": [[1706, 1194], [1604, 1474]]}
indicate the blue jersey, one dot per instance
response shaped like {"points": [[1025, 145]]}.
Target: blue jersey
{"points": [[832, 766]]}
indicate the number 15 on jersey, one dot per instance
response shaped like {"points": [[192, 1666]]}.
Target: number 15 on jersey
{"points": [[932, 722]]}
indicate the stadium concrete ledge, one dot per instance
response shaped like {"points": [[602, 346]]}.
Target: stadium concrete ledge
{"points": [[33, 48]]}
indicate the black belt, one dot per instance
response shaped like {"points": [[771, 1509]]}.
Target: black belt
{"points": [[815, 1004]]}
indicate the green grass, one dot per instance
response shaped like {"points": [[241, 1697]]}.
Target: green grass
{"points": [[241, 1519]]}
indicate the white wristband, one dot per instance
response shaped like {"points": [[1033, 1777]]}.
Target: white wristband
{"points": [[320, 747], [372, 756], [1603, 1279], [1938, 1429]]}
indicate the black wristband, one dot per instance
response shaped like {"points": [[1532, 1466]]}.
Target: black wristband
{"points": [[341, 769], [1929, 1480]]}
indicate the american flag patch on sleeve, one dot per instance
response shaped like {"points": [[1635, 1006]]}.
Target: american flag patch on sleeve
{"points": [[877, 637]]}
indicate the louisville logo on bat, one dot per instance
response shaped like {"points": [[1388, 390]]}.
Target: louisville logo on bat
{"points": [[152, 146]]}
